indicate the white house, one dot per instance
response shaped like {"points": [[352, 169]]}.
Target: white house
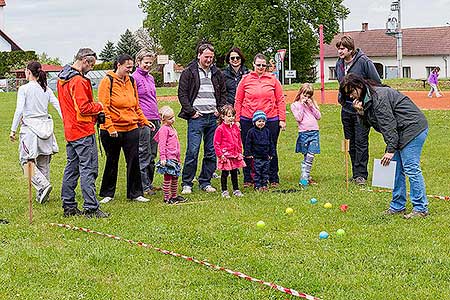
{"points": [[423, 49], [6, 43], [172, 72]]}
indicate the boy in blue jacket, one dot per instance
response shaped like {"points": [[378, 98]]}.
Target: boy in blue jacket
{"points": [[259, 146]]}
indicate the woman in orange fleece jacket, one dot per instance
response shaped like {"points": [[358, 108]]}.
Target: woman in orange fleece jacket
{"points": [[118, 94]]}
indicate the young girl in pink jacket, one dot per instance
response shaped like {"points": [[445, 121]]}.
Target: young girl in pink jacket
{"points": [[306, 113], [169, 156], [228, 147]]}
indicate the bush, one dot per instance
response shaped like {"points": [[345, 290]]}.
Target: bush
{"points": [[159, 79], [107, 65]]}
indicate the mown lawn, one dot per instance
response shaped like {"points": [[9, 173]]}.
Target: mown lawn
{"points": [[379, 257]]}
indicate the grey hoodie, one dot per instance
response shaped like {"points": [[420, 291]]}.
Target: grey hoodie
{"points": [[361, 65]]}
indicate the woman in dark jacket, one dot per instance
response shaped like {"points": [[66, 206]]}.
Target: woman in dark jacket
{"points": [[234, 72], [404, 129]]}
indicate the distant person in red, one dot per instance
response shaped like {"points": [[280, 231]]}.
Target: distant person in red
{"points": [[433, 81]]}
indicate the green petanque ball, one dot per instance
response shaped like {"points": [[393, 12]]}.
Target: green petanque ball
{"points": [[260, 224], [340, 232]]}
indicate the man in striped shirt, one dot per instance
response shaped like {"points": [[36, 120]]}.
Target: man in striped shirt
{"points": [[201, 92]]}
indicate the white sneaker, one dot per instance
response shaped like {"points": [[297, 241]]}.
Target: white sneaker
{"points": [[209, 189], [106, 200], [140, 199], [225, 194], [215, 175], [45, 194], [186, 190], [238, 193]]}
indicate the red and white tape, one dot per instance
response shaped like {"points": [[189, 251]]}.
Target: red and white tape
{"points": [[201, 262], [446, 198]]}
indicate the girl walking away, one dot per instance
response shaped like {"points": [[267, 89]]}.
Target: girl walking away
{"points": [[37, 142], [228, 147], [169, 156], [306, 113], [433, 81]]}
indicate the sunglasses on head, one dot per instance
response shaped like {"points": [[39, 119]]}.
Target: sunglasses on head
{"points": [[235, 58], [261, 65]]}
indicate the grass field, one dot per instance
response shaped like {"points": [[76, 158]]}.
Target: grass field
{"points": [[379, 257]]}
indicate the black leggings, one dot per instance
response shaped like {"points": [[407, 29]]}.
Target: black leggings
{"points": [[234, 179]]}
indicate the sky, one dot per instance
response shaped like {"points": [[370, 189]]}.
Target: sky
{"points": [[61, 27]]}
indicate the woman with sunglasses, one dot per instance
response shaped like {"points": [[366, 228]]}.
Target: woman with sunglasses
{"points": [[234, 72], [260, 90]]}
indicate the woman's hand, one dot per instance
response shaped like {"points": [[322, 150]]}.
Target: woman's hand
{"points": [[387, 157], [12, 136], [283, 125], [358, 106]]}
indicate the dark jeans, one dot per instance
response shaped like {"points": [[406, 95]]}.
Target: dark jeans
{"points": [[234, 179], [262, 167], [82, 163], [129, 142], [358, 135], [148, 150], [200, 128], [274, 128]]}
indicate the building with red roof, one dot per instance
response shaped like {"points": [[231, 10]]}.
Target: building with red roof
{"points": [[423, 49]]}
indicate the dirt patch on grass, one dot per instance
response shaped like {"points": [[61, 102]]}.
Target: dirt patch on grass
{"points": [[419, 97]]}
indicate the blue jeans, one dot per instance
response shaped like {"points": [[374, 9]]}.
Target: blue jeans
{"points": [[82, 162], [201, 127], [262, 167], [408, 163]]}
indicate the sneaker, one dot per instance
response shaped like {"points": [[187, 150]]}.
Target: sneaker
{"points": [[390, 211], [416, 214], [186, 190], [209, 189], [274, 184], [225, 194], [140, 199], [171, 201], [149, 192], [72, 211], [106, 200], [215, 175], [95, 213], [180, 199], [45, 194], [438, 96], [248, 184], [360, 180], [4, 221], [262, 189], [238, 193]]}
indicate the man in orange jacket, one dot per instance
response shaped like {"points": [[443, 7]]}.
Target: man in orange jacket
{"points": [[79, 113]]}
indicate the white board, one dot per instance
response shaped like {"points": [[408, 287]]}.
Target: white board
{"points": [[383, 176]]}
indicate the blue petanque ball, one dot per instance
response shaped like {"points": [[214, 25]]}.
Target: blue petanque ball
{"points": [[313, 201], [323, 235]]}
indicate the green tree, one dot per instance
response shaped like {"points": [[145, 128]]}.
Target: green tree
{"points": [[109, 52], [14, 60], [127, 44], [253, 25], [43, 58]]}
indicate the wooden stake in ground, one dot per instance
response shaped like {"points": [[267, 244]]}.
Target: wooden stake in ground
{"points": [[345, 149], [30, 169]]}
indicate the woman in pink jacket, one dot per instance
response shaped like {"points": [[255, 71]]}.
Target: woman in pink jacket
{"points": [[260, 90], [228, 147]]}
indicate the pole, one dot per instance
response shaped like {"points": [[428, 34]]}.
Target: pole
{"points": [[322, 65], [289, 39], [399, 36]]}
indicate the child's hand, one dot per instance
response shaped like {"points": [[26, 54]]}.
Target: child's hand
{"points": [[163, 163], [270, 157], [249, 157]]}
